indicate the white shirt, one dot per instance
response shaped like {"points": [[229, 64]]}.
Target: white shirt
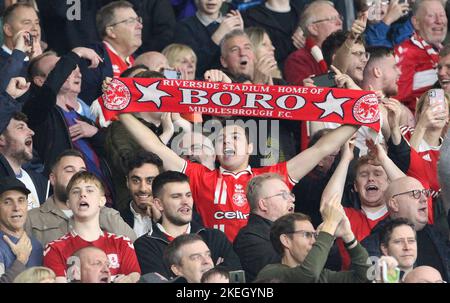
{"points": [[161, 228], [68, 213], [142, 224], [9, 51], [33, 198]]}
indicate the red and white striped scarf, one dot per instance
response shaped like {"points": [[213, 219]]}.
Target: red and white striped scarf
{"points": [[316, 52], [418, 41]]}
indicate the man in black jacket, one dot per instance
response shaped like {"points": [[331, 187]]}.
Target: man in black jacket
{"points": [[172, 196], [54, 115], [16, 149], [269, 198], [16, 143], [280, 18], [406, 198]]}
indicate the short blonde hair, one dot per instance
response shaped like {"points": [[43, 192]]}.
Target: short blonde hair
{"points": [[173, 52], [35, 274], [86, 177]]}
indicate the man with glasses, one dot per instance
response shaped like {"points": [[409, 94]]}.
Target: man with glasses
{"points": [[269, 198], [141, 213], [121, 31], [304, 251], [407, 198], [172, 196], [318, 21], [198, 148]]}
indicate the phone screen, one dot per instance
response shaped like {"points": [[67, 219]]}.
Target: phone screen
{"points": [[437, 99], [325, 80], [171, 74]]}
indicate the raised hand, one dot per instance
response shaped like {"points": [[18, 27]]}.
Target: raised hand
{"points": [[395, 11], [232, 21], [215, 75], [17, 87], [343, 80], [21, 42], [309, 82], [358, 26], [332, 213], [347, 149], [394, 111], [106, 83], [298, 38], [264, 68], [89, 54]]}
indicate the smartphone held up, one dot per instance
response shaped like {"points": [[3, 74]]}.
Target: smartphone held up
{"points": [[436, 98]]}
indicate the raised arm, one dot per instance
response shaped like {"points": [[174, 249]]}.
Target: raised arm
{"points": [[381, 157], [337, 180], [304, 162], [150, 142]]}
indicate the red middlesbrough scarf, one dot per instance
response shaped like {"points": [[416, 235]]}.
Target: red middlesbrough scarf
{"points": [[417, 40], [316, 52], [345, 106]]}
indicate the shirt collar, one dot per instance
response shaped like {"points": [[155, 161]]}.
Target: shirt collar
{"points": [[205, 20], [161, 228], [9, 51], [111, 48], [248, 170], [377, 214], [135, 213]]}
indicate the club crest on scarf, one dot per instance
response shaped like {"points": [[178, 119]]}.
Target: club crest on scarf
{"points": [[117, 96], [366, 109]]}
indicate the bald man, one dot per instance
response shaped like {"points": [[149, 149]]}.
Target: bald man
{"points": [[423, 274], [406, 198], [155, 61], [89, 265]]}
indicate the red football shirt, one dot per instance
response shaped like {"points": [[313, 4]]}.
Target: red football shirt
{"points": [[361, 227], [118, 65], [220, 196], [423, 166], [119, 249]]}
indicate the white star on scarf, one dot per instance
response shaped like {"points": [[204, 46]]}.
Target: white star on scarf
{"points": [[151, 93], [332, 105]]}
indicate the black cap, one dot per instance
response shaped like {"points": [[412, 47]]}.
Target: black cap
{"points": [[11, 183]]}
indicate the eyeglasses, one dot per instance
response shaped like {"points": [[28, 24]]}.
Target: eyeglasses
{"points": [[362, 55], [129, 21], [305, 234], [373, 2], [426, 281], [332, 19], [416, 193], [284, 194]]}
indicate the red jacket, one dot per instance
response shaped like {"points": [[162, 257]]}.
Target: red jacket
{"points": [[417, 61], [300, 65]]}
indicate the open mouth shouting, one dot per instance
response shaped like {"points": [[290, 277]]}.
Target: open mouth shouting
{"points": [[29, 142], [185, 210], [372, 189], [83, 205]]}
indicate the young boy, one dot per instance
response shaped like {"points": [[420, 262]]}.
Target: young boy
{"points": [[86, 196]]}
